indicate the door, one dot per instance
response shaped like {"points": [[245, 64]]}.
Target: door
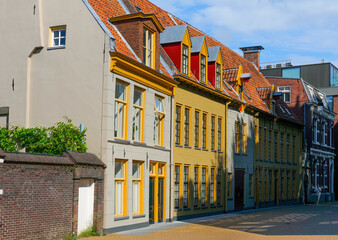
{"points": [[239, 189], [85, 204], [160, 199], [151, 199], [276, 187]]}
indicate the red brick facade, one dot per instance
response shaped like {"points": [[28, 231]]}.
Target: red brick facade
{"points": [[40, 197]]}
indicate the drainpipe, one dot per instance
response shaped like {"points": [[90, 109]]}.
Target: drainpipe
{"points": [[226, 155]]}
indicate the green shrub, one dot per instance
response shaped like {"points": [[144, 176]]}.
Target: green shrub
{"points": [[90, 231], [53, 140]]}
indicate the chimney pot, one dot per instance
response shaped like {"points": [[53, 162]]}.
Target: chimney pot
{"points": [[252, 54]]}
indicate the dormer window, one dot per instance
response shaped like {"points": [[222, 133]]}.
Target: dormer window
{"points": [[218, 76], [185, 59], [203, 69], [148, 48]]}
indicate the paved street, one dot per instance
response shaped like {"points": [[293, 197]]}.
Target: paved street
{"points": [[295, 222]]}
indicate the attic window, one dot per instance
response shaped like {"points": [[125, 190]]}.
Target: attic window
{"points": [[286, 92], [185, 59], [148, 48], [218, 75], [203, 69]]}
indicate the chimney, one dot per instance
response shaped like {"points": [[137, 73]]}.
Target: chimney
{"points": [[252, 54]]}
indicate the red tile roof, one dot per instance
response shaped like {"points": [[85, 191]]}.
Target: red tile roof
{"points": [[231, 60]]}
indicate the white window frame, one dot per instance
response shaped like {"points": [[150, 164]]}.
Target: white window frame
{"points": [[58, 30], [283, 90]]}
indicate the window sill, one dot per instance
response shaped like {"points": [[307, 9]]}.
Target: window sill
{"points": [[220, 151], [204, 149], [213, 151], [121, 141], [212, 206], [186, 209], [219, 205], [139, 216], [197, 208], [139, 143], [178, 209], [178, 145], [54, 48], [119, 218], [159, 147], [187, 147], [204, 207], [197, 148]]}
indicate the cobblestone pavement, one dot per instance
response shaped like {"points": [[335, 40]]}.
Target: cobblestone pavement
{"points": [[295, 222]]}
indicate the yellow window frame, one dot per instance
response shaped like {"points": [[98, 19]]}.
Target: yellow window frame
{"points": [[220, 134], [205, 68], [214, 186], [188, 188], [237, 137], [141, 108], [179, 185], [198, 185], [124, 190], [213, 132], [187, 139], [244, 138], [125, 112], [159, 137], [205, 138], [140, 183], [178, 122], [206, 185], [198, 129], [146, 48]]}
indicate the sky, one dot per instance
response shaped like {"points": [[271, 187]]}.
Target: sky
{"points": [[303, 31]]}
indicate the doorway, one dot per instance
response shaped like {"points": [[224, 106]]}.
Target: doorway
{"points": [[86, 204], [239, 189], [157, 193]]}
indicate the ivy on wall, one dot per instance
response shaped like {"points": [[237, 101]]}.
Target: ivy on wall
{"points": [[52, 140]]}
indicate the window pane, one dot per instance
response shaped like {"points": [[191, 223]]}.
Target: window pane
{"points": [[137, 97], [136, 196], [63, 41], [159, 105], [120, 120], [119, 170], [118, 197], [120, 91], [56, 33], [63, 33], [136, 170], [56, 42]]}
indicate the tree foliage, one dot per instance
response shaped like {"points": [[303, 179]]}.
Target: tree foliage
{"points": [[53, 140]]}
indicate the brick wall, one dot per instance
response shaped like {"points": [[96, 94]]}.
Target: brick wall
{"points": [[40, 196]]}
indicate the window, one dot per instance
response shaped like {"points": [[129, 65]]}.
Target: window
{"points": [[212, 186], [58, 37], [286, 92], [219, 132], [244, 138], [158, 122], [229, 185], [282, 147], [185, 59], [120, 188], [251, 185], [218, 76], [271, 185], [269, 144], [287, 148], [186, 187], [218, 187], [177, 186], [314, 130], [281, 183], [4, 117], [197, 129], [261, 148], [178, 124], [325, 135], [264, 147], [204, 131], [137, 187], [196, 191], [293, 149], [291, 72], [287, 184], [275, 148], [203, 186], [187, 127], [138, 115], [213, 135], [318, 139], [148, 48], [121, 103], [237, 139], [203, 69], [293, 186]]}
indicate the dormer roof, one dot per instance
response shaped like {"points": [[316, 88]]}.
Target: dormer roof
{"points": [[173, 34], [213, 53], [197, 44]]}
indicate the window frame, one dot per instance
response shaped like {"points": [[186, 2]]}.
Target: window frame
{"points": [[125, 104], [141, 109], [218, 83], [186, 183], [205, 131], [204, 189], [213, 133], [148, 34], [185, 59], [178, 125], [284, 92], [196, 186], [52, 31], [237, 137], [219, 186], [212, 187], [219, 134], [160, 115], [244, 138], [124, 188], [177, 186], [140, 183], [187, 120], [203, 68], [198, 128]]}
